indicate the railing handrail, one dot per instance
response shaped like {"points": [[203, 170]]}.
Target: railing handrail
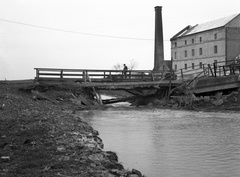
{"points": [[89, 70], [204, 64], [214, 67], [98, 74]]}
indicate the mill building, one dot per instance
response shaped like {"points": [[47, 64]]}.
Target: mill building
{"points": [[202, 44]]}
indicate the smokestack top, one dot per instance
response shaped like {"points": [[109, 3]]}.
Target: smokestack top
{"points": [[158, 8]]}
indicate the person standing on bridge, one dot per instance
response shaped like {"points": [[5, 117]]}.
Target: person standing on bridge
{"points": [[125, 68]]}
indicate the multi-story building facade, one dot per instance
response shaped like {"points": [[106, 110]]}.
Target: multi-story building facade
{"points": [[199, 45]]}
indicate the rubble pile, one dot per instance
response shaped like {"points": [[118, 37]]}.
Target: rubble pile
{"points": [[219, 101]]}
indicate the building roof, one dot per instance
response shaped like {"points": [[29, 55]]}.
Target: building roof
{"points": [[205, 26]]}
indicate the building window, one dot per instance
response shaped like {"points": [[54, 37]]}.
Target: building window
{"points": [[185, 42], [215, 49], [175, 44], [175, 55], [192, 41], [200, 39], [200, 51], [215, 36], [175, 67], [193, 52], [192, 65], [200, 65], [186, 66], [185, 53]]}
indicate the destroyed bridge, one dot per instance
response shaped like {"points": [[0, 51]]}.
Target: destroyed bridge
{"points": [[209, 78]]}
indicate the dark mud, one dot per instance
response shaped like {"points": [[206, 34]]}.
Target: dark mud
{"points": [[41, 136]]}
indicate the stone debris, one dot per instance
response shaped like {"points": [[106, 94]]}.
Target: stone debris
{"points": [[218, 101], [138, 173], [5, 158]]}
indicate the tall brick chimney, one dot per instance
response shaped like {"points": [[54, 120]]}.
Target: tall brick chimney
{"points": [[158, 47]]}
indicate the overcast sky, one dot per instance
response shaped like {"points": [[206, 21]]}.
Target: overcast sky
{"points": [[93, 34]]}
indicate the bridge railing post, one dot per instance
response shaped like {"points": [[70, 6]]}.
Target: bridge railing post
{"points": [[110, 75], [37, 73], [129, 75], [209, 67], [61, 74], [224, 71], [152, 76], [182, 74], [230, 70], [204, 71], [233, 70], [84, 76], [215, 69]]}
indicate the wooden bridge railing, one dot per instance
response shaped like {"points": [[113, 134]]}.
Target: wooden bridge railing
{"points": [[223, 68], [97, 75], [216, 69]]}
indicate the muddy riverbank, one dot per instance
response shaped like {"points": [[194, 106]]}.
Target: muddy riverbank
{"points": [[40, 134]]}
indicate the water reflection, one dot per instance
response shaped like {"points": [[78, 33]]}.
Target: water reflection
{"points": [[171, 143]]}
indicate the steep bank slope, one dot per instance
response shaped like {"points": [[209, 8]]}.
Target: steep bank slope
{"points": [[41, 136]]}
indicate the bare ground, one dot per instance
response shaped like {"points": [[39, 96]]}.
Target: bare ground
{"points": [[43, 137]]}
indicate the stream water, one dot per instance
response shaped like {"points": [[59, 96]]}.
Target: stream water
{"points": [[171, 143]]}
